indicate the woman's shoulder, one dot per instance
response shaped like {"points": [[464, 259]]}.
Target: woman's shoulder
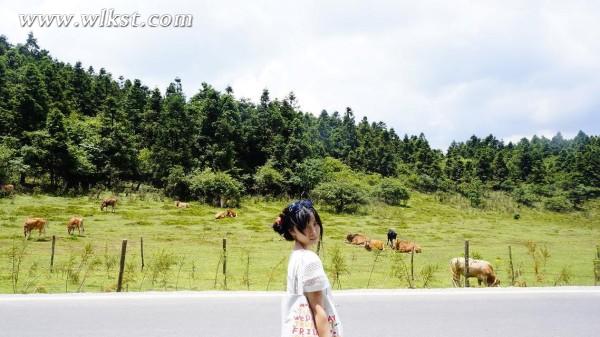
{"points": [[308, 256]]}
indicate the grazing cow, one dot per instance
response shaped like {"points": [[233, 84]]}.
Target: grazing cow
{"points": [[357, 239], [391, 235], [75, 223], [404, 246], [180, 204], [481, 269], [109, 202], [34, 223], [374, 244], [7, 189]]}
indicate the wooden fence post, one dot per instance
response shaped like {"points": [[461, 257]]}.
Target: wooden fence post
{"points": [[122, 265], [412, 265], [466, 263], [142, 250], [52, 256], [225, 262], [597, 266], [512, 269]]}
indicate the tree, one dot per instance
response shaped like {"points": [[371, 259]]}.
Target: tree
{"points": [[81, 86], [500, 169], [393, 192], [118, 155], [173, 136], [60, 162], [32, 99], [269, 181], [216, 188], [344, 195]]}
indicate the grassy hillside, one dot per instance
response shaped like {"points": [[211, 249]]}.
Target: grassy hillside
{"points": [[183, 247]]}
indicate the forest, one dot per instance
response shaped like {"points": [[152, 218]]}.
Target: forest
{"points": [[68, 130]]}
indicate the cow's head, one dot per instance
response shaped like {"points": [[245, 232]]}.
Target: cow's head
{"points": [[493, 281]]}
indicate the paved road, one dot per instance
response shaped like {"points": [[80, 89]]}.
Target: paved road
{"points": [[529, 312]]}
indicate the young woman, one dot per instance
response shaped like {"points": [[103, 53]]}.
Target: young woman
{"points": [[300, 222]]}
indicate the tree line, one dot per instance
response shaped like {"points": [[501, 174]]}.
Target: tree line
{"points": [[67, 128]]}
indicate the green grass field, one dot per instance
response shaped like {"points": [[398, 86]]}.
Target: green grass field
{"points": [[183, 247]]}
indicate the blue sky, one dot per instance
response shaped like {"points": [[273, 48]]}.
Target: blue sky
{"points": [[449, 69]]}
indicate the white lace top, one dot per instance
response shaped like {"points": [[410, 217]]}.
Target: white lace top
{"points": [[306, 274]]}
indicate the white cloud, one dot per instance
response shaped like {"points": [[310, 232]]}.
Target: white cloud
{"points": [[448, 69]]}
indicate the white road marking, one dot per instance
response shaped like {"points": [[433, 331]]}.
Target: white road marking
{"points": [[336, 293]]}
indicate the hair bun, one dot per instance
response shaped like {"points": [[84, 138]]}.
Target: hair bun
{"points": [[278, 228], [278, 225]]}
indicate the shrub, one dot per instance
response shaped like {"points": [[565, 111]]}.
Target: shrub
{"points": [[474, 191], [334, 168], [423, 183], [216, 188], [579, 194], [178, 185], [269, 181], [338, 266], [307, 175], [344, 195], [523, 195], [558, 203], [392, 192]]}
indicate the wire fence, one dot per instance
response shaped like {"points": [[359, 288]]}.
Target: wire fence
{"points": [[228, 264]]}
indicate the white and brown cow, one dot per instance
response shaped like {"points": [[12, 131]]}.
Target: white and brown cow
{"points": [[481, 269]]}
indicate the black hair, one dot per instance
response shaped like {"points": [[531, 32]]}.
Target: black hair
{"points": [[296, 215]]}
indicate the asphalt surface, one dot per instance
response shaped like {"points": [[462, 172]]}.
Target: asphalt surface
{"points": [[516, 312]]}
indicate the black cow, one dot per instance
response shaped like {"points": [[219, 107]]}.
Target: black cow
{"points": [[391, 237]]}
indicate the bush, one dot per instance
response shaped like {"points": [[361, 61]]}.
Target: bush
{"points": [[344, 195], [579, 194], [392, 192], [216, 188], [269, 181], [523, 195], [423, 183], [559, 203], [178, 184], [474, 191], [307, 175]]}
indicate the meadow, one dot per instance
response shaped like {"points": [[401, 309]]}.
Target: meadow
{"points": [[183, 248]]}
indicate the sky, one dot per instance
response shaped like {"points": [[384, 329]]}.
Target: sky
{"points": [[449, 69]]}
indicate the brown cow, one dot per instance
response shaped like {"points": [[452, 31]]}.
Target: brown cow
{"points": [[180, 204], [7, 189], [374, 244], [112, 201], [404, 246], [34, 223], [357, 239], [229, 213], [480, 269], [75, 223]]}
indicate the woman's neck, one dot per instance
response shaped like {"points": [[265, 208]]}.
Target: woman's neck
{"points": [[299, 246]]}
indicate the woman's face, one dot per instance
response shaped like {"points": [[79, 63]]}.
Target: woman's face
{"points": [[310, 235]]}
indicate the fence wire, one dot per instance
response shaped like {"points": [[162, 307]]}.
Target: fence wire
{"points": [[26, 267]]}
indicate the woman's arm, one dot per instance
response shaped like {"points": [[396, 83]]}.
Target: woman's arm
{"points": [[317, 306]]}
